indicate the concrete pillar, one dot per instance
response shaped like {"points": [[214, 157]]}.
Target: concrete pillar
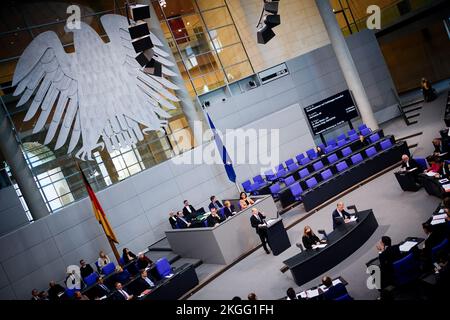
{"points": [[19, 168], [346, 63], [186, 101]]}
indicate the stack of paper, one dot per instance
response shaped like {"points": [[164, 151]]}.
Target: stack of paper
{"points": [[312, 293], [440, 216], [353, 218], [446, 187], [323, 288], [408, 245], [437, 221], [337, 281], [441, 210], [430, 173], [442, 181], [319, 246]]}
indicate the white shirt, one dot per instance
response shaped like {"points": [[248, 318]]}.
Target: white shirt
{"points": [[149, 282], [125, 294], [188, 209]]}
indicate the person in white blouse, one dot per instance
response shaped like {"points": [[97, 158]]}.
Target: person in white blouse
{"points": [[103, 260]]}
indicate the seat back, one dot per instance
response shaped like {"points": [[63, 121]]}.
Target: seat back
{"points": [[385, 144], [362, 127], [258, 179], [422, 162], [304, 173], [341, 143], [366, 131], [341, 137], [351, 132], [275, 189], [289, 180], [163, 267], [312, 182], [121, 261], [299, 157], [305, 161], [293, 167], [341, 166], [440, 247], [353, 137], [222, 213], [279, 167], [246, 185], [329, 149], [269, 175], [333, 158], [318, 165], [311, 153], [321, 146], [406, 270], [109, 268], [296, 190], [91, 279], [371, 152], [346, 151], [357, 158], [331, 142], [70, 292], [327, 174], [289, 162], [374, 138], [345, 297]]}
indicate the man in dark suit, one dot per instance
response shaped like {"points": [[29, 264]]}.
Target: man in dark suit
{"points": [[388, 254], [433, 239], [409, 163], [333, 292], [340, 216], [173, 220], [101, 289], [188, 210], [181, 220], [143, 283], [258, 222], [214, 218], [55, 290], [214, 203], [85, 269], [228, 209], [121, 293]]}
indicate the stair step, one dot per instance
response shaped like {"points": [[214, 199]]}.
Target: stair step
{"points": [[156, 255], [411, 122], [161, 245], [411, 110], [412, 103], [181, 261], [413, 116], [413, 146], [410, 136]]}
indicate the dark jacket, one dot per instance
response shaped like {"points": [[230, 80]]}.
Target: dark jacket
{"points": [[141, 285], [387, 258], [189, 215], [173, 222], [337, 219], [411, 165], [99, 291], [211, 220], [143, 263], [217, 203], [334, 292], [255, 222], [309, 241], [53, 291], [86, 270], [182, 223], [125, 257], [228, 212]]}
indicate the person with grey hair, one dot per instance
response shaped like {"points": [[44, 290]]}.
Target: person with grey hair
{"points": [[340, 216]]}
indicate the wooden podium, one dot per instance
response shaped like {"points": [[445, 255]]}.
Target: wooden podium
{"points": [[277, 236]]}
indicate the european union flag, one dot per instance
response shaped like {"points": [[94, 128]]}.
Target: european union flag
{"points": [[223, 151]]}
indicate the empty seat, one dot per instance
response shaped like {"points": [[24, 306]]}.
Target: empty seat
{"points": [[259, 179], [357, 158], [296, 191], [362, 127], [299, 157], [305, 161], [311, 183], [270, 176], [406, 270], [371, 152], [346, 151], [91, 279], [246, 185], [322, 146], [163, 267], [289, 180], [374, 138], [341, 143], [341, 166], [304, 173], [329, 149], [341, 137], [311, 153], [289, 162], [281, 172], [331, 142], [327, 174], [333, 158], [422, 162], [385, 144], [293, 167], [353, 137], [345, 297], [351, 132], [109, 268], [437, 249], [318, 165], [275, 190], [366, 131], [279, 167]]}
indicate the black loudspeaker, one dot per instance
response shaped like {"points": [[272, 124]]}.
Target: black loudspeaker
{"points": [[139, 12], [272, 20], [139, 30], [153, 67], [144, 57], [271, 7], [142, 44], [264, 35]]}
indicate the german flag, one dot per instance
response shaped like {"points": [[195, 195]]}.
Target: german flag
{"points": [[98, 211]]}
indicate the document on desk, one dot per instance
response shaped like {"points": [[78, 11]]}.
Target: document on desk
{"points": [[446, 187], [353, 218], [412, 170], [408, 245], [430, 173], [437, 221], [323, 288], [440, 216], [312, 293], [336, 281], [319, 246], [442, 181], [441, 210], [302, 295], [271, 222]]}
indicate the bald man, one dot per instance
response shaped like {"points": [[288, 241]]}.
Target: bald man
{"points": [[340, 216], [408, 163]]}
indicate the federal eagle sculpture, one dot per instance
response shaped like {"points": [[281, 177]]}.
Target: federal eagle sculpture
{"points": [[98, 95]]}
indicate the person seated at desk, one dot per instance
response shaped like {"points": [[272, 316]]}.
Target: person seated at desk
{"points": [[387, 255], [228, 209], [245, 201], [409, 164], [435, 165], [333, 292], [319, 151], [79, 296], [215, 203], [258, 222], [121, 294], [127, 255], [143, 283], [35, 295], [309, 238], [340, 216], [442, 273], [432, 240], [85, 269], [102, 260], [182, 222], [214, 219], [100, 289], [446, 169], [55, 290], [143, 262], [363, 141], [438, 148], [188, 210], [173, 220]]}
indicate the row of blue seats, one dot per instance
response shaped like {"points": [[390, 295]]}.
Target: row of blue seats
{"points": [[296, 188], [302, 160]]}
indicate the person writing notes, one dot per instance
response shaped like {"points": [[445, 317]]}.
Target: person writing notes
{"points": [[309, 238], [258, 222], [245, 201], [340, 216]]}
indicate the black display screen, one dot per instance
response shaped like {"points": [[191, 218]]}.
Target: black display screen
{"points": [[331, 112]]}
